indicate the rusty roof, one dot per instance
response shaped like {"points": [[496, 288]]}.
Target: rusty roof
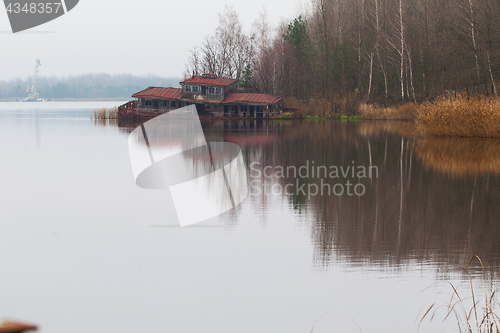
{"points": [[216, 81], [159, 92], [175, 93], [252, 98]]}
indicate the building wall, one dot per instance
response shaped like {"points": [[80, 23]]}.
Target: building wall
{"points": [[243, 110]]}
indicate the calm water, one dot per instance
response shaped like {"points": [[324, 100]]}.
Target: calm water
{"points": [[83, 249]]}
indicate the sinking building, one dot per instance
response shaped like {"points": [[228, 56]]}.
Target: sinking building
{"points": [[213, 96]]}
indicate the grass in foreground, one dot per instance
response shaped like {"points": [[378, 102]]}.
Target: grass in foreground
{"points": [[472, 314], [463, 116], [106, 113]]}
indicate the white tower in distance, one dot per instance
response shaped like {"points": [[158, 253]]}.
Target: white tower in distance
{"points": [[32, 88]]}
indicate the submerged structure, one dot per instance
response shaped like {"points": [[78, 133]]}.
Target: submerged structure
{"points": [[212, 95]]}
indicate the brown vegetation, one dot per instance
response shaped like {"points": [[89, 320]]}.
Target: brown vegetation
{"points": [[463, 116], [474, 313], [407, 111], [106, 113], [320, 106]]}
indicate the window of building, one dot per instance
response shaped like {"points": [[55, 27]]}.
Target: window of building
{"points": [[215, 90], [188, 88], [172, 104], [196, 88], [147, 102]]}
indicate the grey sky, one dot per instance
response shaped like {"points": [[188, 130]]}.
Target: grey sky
{"points": [[124, 36]]}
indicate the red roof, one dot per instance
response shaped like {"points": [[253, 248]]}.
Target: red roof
{"points": [[157, 92], [252, 98], [217, 81], [175, 93]]}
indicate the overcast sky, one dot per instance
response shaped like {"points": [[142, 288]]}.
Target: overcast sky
{"points": [[124, 36]]}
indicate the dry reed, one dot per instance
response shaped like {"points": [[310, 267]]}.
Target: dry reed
{"points": [[407, 111], [479, 316], [330, 107], [463, 116], [106, 113]]}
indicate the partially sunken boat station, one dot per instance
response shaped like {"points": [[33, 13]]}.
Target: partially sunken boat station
{"points": [[213, 96]]}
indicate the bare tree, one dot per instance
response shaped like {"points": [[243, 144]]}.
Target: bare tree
{"points": [[226, 53]]}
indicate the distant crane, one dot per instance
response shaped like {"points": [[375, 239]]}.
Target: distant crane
{"points": [[32, 88]]}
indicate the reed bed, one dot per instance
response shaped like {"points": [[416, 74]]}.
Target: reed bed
{"points": [[476, 313], [407, 111], [463, 116], [460, 156], [330, 107], [106, 113]]}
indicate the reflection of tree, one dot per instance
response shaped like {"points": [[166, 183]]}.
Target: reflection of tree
{"points": [[410, 212]]}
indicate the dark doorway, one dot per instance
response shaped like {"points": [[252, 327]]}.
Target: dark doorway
{"points": [[203, 90], [259, 112], [200, 108], [251, 111], [226, 110]]}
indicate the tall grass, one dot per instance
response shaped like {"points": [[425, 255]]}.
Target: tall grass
{"points": [[472, 314], [328, 107], [106, 113], [407, 111], [465, 116]]}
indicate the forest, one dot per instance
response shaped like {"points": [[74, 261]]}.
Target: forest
{"points": [[387, 52]]}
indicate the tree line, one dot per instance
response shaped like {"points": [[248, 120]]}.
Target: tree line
{"points": [[84, 86], [383, 51]]}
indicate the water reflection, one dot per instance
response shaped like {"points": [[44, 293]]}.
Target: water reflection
{"points": [[460, 156], [205, 179], [431, 201]]}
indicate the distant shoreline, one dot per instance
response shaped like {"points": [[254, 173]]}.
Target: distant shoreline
{"points": [[103, 99]]}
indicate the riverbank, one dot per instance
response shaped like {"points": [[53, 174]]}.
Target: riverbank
{"points": [[458, 116], [407, 111]]}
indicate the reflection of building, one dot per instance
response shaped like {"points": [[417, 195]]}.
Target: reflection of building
{"points": [[212, 95]]}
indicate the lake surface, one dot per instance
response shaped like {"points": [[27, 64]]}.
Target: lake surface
{"points": [[84, 249]]}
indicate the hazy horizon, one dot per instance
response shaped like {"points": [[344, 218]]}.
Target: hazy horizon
{"points": [[69, 76], [147, 38], [101, 85]]}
